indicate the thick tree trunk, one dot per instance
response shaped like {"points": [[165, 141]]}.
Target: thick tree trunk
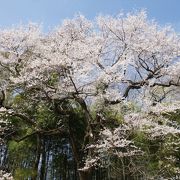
{"points": [[82, 175], [78, 152], [85, 175]]}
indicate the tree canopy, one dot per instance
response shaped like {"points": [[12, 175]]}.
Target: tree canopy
{"points": [[95, 97]]}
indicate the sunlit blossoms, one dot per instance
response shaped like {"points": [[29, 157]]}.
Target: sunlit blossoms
{"points": [[126, 52]]}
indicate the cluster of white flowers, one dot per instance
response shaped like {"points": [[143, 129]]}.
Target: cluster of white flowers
{"points": [[165, 107], [5, 125], [112, 143], [110, 50], [154, 126], [5, 176]]}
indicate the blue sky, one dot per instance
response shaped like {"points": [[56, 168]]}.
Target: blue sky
{"points": [[52, 12]]}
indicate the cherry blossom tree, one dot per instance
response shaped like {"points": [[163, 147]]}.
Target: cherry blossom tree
{"points": [[100, 63]]}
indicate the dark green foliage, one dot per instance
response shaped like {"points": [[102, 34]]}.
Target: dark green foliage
{"points": [[43, 143]]}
